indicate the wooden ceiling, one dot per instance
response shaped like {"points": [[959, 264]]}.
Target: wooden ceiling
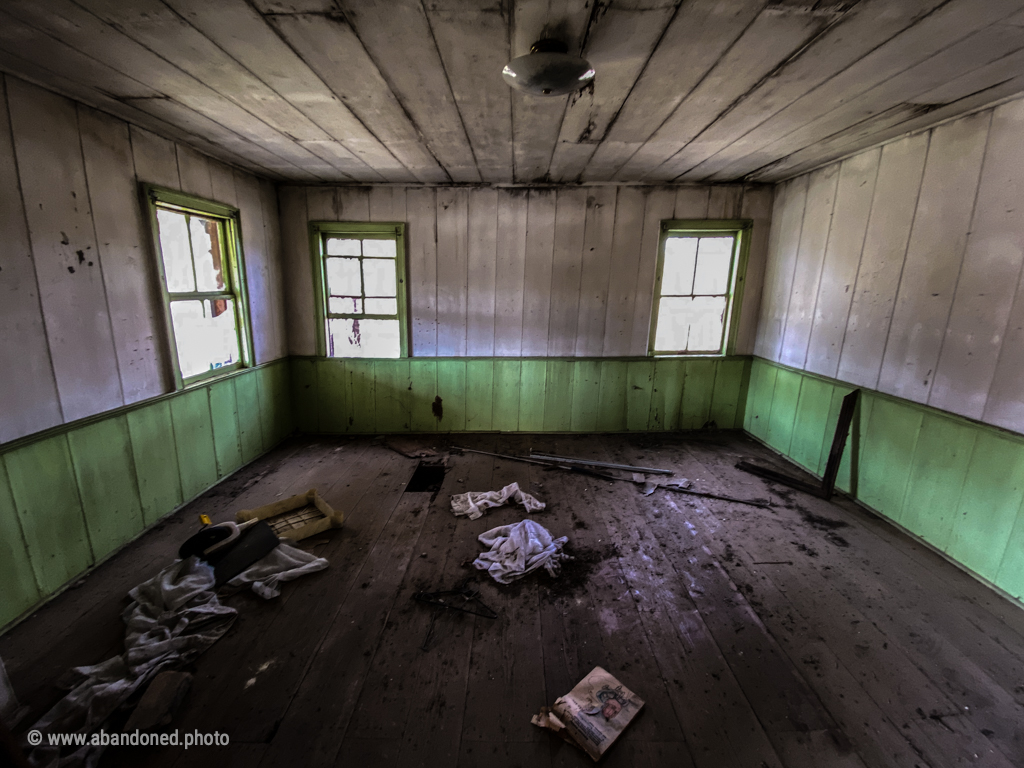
{"points": [[410, 90]]}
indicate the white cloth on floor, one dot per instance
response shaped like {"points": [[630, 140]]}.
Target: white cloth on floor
{"points": [[173, 618], [284, 563], [517, 549], [473, 504]]}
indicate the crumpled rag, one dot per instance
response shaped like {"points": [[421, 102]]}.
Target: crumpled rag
{"points": [[517, 549], [473, 504], [173, 618], [284, 563]]}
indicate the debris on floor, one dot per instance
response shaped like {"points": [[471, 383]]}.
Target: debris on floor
{"points": [[158, 704], [601, 464], [826, 488], [284, 563], [296, 518], [174, 617], [473, 504], [516, 550], [411, 449], [463, 598], [593, 714]]}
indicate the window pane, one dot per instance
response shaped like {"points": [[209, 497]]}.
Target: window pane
{"points": [[343, 277], [175, 251], [680, 258], [363, 338], [337, 246], [379, 277], [384, 249], [713, 258], [345, 305], [206, 248], [690, 324], [205, 334], [382, 306]]}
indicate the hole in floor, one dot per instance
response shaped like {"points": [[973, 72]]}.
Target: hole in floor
{"points": [[427, 477]]}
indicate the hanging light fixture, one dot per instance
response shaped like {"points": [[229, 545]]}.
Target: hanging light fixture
{"points": [[548, 70]]}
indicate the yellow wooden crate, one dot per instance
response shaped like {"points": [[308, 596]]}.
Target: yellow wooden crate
{"points": [[296, 518]]}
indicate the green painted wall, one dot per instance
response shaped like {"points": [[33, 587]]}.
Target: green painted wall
{"points": [[72, 495], [956, 483], [511, 394]]}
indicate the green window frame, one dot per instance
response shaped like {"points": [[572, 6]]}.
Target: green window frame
{"points": [[740, 230], [228, 229], [323, 231]]}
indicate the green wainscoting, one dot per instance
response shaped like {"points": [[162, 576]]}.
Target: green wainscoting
{"points": [[956, 483], [512, 394], [74, 494]]}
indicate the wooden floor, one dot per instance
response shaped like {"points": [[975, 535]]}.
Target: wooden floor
{"points": [[813, 634]]}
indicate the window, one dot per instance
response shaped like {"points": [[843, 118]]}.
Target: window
{"points": [[202, 283], [700, 266], [360, 279]]}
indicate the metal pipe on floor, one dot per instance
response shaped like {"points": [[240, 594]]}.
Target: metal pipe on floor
{"points": [[602, 464]]}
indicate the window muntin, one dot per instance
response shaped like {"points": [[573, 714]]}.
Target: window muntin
{"points": [[197, 246], [362, 286], [698, 270]]}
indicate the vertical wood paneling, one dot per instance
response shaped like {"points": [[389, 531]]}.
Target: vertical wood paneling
{"points": [[156, 460], [724, 201], [194, 172], [20, 589], [756, 206], [250, 423], [421, 254], [479, 395], [105, 473], [452, 271], [558, 396], [821, 195], [298, 274], [193, 432], [423, 377], [538, 271], [353, 203], [692, 203], [787, 221], [275, 266], [532, 384], [658, 207], [263, 294], [29, 400], [934, 255], [842, 261], [226, 439], [989, 275], [623, 269], [387, 204], [505, 402], [50, 511], [597, 244], [68, 265], [885, 245], [222, 182], [482, 266], [129, 274], [510, 272], [156, 161], [451, 388], [566, 268]]}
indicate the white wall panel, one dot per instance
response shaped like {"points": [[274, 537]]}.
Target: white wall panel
{"points": [[523, 272], [936, 313], [81, 321]]}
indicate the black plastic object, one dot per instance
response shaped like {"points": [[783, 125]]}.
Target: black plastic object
{"points": [[202, 541], [255, 543]]}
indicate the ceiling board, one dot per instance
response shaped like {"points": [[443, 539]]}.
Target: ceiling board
{"points": [[410, 90]]}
